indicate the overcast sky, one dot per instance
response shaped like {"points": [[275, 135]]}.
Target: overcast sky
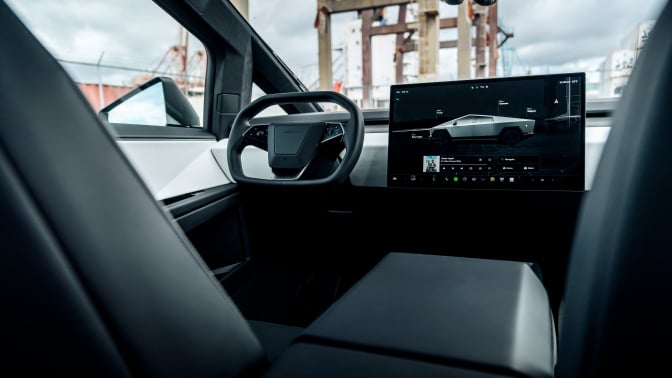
{"points": [[549, 35], [553, 35]]}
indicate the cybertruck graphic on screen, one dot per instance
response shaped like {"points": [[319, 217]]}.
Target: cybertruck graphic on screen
{"points": [[507, 130]]}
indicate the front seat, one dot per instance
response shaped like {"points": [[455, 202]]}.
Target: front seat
{"points": [[615, 317], [97, 280]]}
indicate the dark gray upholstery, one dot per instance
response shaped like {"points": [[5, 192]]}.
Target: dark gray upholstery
{"points": [[490, 315], [98, 264], [274, 337], [616, 317], [311, 360]]}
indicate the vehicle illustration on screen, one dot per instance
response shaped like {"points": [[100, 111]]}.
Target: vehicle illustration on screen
{"points": [[508, 130]]}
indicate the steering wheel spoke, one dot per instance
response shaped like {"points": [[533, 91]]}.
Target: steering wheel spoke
{"points": [[257, 136], [333, 133]]}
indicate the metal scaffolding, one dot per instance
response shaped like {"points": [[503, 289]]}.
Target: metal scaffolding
{"points": [[428, 44]]}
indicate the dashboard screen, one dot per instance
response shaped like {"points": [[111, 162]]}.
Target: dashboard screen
{"points": [[501, 133]]}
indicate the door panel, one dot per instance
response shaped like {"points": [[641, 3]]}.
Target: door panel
{"points": [[175, 167], [212, 221]]}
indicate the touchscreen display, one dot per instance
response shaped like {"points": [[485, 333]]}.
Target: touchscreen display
{"points": [[502, 133]]}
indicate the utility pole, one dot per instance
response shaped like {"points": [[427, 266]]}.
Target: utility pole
{"points": [[185, 61], [428, 43], [464, 41], [242, 6], [323, 25], [101, 97], [481, 35], [399, 48], [493, 30], [367, 72]]}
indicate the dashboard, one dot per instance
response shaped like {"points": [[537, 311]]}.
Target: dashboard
{"points": [[172, 168], [563, 150]]}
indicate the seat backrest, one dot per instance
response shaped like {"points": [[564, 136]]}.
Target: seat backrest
{"points": [[95, 278], [619, 292]]}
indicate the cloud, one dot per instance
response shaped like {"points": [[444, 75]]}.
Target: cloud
{"points": [[552, 32], [288, 27], [126, 33], [547, 33]]}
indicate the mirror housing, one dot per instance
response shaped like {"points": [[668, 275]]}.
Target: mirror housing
{"points": [[158, 102]]}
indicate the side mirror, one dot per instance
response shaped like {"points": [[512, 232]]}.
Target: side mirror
{"points": [[158, 102]]}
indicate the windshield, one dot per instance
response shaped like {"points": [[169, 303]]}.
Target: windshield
{"points": [[359, 51], [349, 47]]}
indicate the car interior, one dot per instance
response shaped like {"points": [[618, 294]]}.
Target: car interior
{"points": [[358, 243]]}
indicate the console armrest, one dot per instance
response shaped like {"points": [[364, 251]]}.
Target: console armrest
{"points": [[488, 315]]}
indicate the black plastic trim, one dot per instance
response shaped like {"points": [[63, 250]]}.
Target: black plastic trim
{"points": [[202, 214], [126, 131], [189, 202]]}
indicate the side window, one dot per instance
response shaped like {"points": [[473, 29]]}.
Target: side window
{"points": [[271, 110], [481, 119], [139, 66], [465, 121]]}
